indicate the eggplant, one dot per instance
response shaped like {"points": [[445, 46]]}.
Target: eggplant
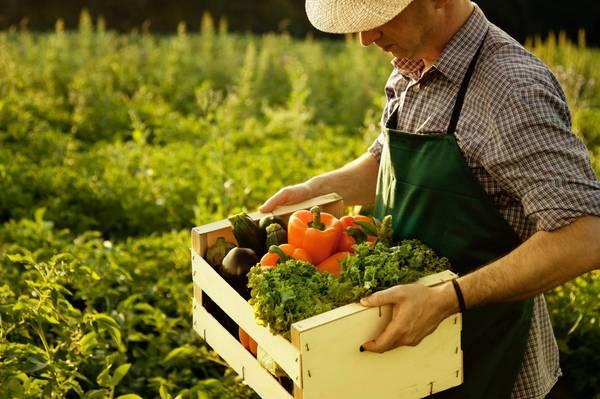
{"points": [[216, 252], [235, 267]]}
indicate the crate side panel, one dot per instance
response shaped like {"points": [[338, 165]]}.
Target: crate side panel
{"points": [[331, 359], [238, 358], [284, 353]]}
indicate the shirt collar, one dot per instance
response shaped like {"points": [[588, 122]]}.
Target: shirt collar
{"points": [[456, 56]]}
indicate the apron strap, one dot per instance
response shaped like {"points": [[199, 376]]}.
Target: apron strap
{"points": [[460, 98], [392, 120]]}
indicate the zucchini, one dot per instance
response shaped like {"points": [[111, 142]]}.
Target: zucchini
{"points": [[265, 221], [276, 235], [248, 234]]}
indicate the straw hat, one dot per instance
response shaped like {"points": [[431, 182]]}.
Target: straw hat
{"points": [[350, 16]]}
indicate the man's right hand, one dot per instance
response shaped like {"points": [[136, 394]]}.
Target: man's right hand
{"points": [[288, 195]]}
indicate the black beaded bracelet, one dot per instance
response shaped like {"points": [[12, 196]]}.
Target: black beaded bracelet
{"points": [[459, 295]]}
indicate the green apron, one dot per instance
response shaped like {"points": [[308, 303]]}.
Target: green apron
{"points": [[427, 186]]}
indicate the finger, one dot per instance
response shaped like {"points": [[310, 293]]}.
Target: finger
{"points": [[385, 341], [379, 298], [280, 198]]}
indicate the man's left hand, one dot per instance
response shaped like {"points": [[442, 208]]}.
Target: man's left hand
{"points": [[417, 311]]}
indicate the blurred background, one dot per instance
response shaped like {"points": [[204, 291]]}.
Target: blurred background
{"points": [[520, 18]]}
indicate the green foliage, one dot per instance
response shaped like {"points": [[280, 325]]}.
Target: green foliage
{"points": [[379, 267], [113, 146], [293, 291], [574, 306], [100, 319]]}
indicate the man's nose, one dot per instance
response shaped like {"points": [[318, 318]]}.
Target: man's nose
{"points": [[369, 36]]}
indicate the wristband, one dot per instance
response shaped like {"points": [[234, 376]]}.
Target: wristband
{"points": [[459, 295]]}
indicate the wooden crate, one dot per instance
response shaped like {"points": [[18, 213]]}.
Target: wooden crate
{"points": [[323, 359]]}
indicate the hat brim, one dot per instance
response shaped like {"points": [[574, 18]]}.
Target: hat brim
{"points": [[351, 16]]}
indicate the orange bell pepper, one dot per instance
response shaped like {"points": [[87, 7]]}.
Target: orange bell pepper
{"points": [[244, 338], [247, 341], [357, 229], [333, 264], [281, 253], [318, 233], [253, 347]]}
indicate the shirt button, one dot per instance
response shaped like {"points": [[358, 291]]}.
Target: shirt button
{"points": [[416, 88]]}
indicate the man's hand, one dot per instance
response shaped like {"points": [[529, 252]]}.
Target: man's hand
{"points": [[288, 195], [417, 312]]}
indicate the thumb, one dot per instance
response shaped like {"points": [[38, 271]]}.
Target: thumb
{"points": [[377, 299]]}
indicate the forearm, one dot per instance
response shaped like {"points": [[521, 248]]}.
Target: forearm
{"points": [[544, 261], [355, 181]]}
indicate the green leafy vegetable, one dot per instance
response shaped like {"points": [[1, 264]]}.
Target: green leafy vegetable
{"points": [[296, 290], [378, 267]]}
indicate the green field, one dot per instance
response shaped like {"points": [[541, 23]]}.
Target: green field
{"points": [[113, 146]]}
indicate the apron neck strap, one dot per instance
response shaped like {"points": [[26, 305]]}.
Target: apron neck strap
{"points": [[460, 98]]}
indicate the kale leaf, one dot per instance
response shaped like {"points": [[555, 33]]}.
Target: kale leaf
{"points": [[296, 290]]}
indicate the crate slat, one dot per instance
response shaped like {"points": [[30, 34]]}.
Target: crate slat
{"points": [[238, 358], [241, 312]]}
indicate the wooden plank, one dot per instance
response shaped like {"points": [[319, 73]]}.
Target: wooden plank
{"points": [[197, 293], [333, 367], [323, 200], [284, 353], [353, 308], [295, 336], [437, 278], [238, 358]]}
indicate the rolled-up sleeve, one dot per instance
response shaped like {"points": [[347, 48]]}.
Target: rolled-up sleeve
{"points": [[535, 156], [377, 147]]}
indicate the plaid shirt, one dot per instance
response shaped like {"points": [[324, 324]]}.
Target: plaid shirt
{"points": [[515, 134]]}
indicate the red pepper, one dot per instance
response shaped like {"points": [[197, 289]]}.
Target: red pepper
{"points": [[333, 264], [281, 253], [357, 229], [318, 233]]}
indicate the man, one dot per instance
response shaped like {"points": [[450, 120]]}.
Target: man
{"points": [[477, 160]]}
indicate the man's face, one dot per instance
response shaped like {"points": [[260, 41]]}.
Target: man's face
{"points": [[408, 34]]}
